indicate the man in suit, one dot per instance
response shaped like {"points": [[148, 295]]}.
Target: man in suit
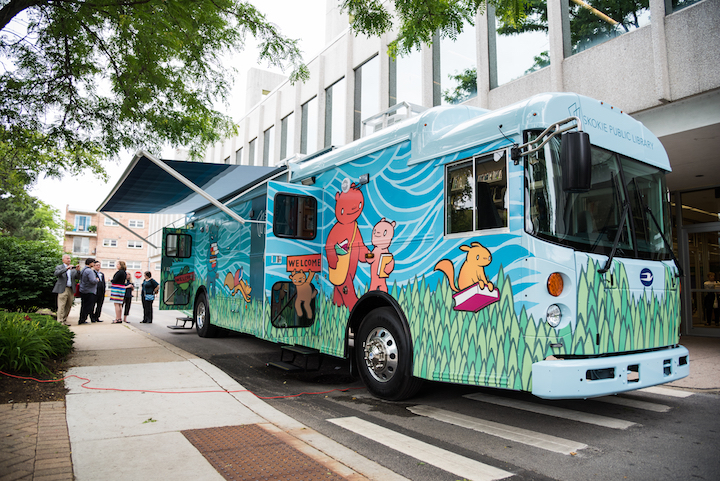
{"points": [[67, 275], [100, 293]]}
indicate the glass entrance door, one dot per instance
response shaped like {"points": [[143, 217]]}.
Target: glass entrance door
{"points": [[701, 303]]}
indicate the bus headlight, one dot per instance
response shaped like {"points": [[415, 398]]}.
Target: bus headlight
{"points": [[553, 315]]}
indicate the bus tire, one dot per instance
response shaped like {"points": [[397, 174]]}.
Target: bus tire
{"points": [[383, 354], [201, 314]]}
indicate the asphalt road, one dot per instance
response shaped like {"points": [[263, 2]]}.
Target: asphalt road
{"points": [[636, 436]]}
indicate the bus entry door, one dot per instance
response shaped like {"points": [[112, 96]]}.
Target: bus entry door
{"points": [[293, 261], [177, 275]]}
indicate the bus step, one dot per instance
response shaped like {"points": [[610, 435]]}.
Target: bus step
{"points": [[184, 321], [285, 366], [305, 353]]}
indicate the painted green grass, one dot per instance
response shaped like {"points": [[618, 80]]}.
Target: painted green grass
{"points": [[495, 347]]}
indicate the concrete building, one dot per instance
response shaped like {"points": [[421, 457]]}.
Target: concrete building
{"points": [[97, 236], [659, 64]]}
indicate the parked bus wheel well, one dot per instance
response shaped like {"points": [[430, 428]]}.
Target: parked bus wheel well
{"points": [[370, 301]]}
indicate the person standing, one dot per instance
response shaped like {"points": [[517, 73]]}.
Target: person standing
{"points": [[66, 275], [88, 291], [130, 287], [100, 295], [117, 290], [149, 290]]}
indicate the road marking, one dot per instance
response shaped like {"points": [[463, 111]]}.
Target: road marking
{"points": [[512, 433], [634, 403], [666, 392], [440, 458], [553, 411]]}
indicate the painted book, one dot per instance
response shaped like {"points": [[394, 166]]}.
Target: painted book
{"points": [[472, 299], [384, 261]]}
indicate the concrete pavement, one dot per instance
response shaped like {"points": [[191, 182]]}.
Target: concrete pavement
{"points": [[140, 408]]}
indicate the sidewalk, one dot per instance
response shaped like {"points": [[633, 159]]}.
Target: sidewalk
{"points": [[145, 429]]}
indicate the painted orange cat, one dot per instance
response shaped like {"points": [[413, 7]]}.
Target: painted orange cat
{"points": [[472, 270]]}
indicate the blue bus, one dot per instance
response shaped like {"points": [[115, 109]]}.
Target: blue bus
{"points": [[524, 248]]}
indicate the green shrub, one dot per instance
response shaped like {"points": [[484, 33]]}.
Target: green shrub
{"points": [[29, 267], [27, 340]]}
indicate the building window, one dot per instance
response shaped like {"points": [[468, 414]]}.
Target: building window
{"points": [[82, 223], [475, 194], [269, 146], [367, 93], [335, 114], [406, 79], [107, 264], [134, 244], [516, 51], [227, 160], [675, 5], [598, 21], [238, 156], [137, 224], [455, 68], [81, 245], [287, 134], [308, 127], [251, 152], [110, 222], [109, 242], [137, 265]]}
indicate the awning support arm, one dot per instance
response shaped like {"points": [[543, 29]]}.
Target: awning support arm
{"points": [[130, 230], [195, 188]]}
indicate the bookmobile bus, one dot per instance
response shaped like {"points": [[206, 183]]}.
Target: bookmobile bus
{"points": [[524, 248]]}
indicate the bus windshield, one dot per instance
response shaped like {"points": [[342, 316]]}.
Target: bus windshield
{"points": [[592, 221]]}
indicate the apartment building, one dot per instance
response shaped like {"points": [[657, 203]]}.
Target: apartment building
{"points": [[109, 239]]}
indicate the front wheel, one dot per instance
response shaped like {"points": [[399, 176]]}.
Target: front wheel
{"points": [[384, 356], [202, 317]]}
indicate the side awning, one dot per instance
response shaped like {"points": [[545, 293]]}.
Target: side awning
{"points": [[154, 186]]}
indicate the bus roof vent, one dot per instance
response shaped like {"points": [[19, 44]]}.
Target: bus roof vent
{"points": [[393, 115]]}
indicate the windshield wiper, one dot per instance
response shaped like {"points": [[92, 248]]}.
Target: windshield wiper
{"points": [[626, 209], [646, 209]]}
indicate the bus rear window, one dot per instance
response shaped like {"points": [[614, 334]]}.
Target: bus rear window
{"points": [[178, 245], [294, 216]]}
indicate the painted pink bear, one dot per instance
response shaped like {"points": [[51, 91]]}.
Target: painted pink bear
{"points": [[381, 261]]}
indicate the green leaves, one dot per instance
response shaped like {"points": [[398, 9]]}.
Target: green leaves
{"points": [[30, 266], [86, 80], [26, 341], [417, 21]]}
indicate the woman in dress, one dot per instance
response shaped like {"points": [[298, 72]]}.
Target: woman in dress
{"points": [[117, 290], [149, 290], [128, 296]]}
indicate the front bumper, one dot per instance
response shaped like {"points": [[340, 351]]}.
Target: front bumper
{"points": [[585, 378]]}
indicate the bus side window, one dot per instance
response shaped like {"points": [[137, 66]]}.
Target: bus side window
{"points": [[178, 245], [294, 216], [475, 194]]}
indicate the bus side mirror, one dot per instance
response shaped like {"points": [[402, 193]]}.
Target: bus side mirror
{"points": [[575, 160]]}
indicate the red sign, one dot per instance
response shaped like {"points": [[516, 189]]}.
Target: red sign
{"points": [[312, 262], [138, 274], [184, 278]]}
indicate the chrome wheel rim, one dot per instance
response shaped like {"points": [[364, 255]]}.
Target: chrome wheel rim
{"points": [[381, 354], [200, 315]]}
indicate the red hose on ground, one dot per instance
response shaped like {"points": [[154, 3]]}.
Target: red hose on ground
{"points": [[175, 392]]}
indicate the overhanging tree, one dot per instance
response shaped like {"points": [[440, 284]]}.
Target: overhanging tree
{"points": [[82, 80]]}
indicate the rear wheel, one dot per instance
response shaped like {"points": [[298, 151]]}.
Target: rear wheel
{"points": [[384, 356], [202, 317]]}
